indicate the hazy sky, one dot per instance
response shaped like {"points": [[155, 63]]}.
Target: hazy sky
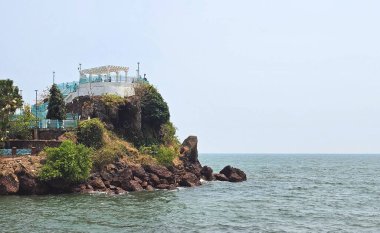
{"points": [[244, 76]]}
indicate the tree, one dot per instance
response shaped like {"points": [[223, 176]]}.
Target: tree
{"points": [[10, 100], [154, 113], [20, 126], [154, 109], [56, 107]]}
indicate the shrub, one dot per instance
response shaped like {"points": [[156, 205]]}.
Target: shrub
{"points": [[112, 100], [90, 133], [69, 162], [168, 135], [163, 154], [108, 154], [154, 110]]}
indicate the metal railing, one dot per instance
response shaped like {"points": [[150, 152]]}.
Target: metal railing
{"points": [[8, 152], [57, 124]]}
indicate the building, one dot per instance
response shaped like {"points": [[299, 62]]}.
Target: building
{"points": [[95, 82]]}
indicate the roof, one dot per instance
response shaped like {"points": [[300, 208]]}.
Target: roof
{"points": [[104, 70]]}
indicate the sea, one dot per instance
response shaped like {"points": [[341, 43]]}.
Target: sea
{"points": [[283, 193]]}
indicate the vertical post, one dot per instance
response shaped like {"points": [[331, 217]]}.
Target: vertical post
{"points": [[36, 109], [53, 77], [138, 69]]}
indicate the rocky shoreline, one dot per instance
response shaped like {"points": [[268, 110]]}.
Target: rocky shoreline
{"points": [[19, 175]]}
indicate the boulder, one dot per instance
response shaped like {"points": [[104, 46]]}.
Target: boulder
{"points": [[220, 177], [154, 180], [97, 183], [163, 186], [160, 171], [31, 185], [9, 184], [139, 172], [132, 185], [233, 174], [206, 172], [189, 180], [189, 149], [149, 188]]}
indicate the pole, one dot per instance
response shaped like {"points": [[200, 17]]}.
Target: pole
{"points": [[53, 77], [36, 109], [138, 69]]}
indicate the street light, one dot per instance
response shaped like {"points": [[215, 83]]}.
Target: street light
{"points": [[36, 109]]}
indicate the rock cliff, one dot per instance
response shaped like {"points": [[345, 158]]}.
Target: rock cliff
{"points": [[19, 175]]}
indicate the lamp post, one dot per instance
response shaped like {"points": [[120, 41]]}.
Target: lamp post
{"points": [[36, 109]]}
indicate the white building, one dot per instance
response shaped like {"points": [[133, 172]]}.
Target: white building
{"points": [[102, 80]]}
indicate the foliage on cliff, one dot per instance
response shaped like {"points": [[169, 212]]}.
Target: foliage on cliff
{"points": [[10, 100], [90, 133], [69, 162], [56, 107]]}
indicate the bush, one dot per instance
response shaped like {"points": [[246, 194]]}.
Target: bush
{"points": [[90, 133], [154, 110], [69, 162], [168, 135], [163, 154], [108, 154], [112, 100]]}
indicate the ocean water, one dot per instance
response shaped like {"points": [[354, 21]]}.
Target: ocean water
{"points": [[284, 193]]}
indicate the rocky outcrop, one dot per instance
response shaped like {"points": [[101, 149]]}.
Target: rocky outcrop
{"points": [[19, 176], [233, 174]]}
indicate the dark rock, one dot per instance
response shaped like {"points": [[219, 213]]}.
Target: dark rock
{"points": [[154, 180], [144, 184], [206, 172], [233, 174], [220, 177], [125, 174], [163, 186], [119, 191], [149, 188], [97, 183], [106, 175], [132, 185], [160, 171], [163, 181], [189, 149], [189, 180], [31, 185], [137, 179], [139, 172], [9, 184]]}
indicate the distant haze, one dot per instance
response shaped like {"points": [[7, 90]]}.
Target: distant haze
{"points": [[244, 76]]}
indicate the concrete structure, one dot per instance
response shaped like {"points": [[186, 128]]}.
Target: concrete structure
{"points": [[95, 82]]}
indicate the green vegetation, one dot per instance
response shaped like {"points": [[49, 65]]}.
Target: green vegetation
{"points": [[112, 100], [154, 113], [10, 100], [163, 154], [56, 107], [154, 110], [90, 133], [20, 126], [69, 162], [168, 135]]}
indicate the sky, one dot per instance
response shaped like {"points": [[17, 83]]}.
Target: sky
{"points": [[285, 76]]}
